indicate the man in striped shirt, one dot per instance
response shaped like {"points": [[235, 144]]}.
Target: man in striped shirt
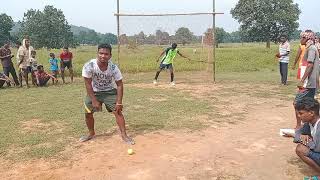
{"points": [[283, 55]]}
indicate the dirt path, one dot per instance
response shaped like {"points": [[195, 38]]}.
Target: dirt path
{"points": [[249, 149]]}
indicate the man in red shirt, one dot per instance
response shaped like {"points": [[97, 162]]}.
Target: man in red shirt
{"points": [[66, 61], [42, 77]]}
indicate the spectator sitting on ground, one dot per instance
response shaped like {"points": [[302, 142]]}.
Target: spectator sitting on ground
{"points": [[3, 79], [42, 77], [308, 137]]}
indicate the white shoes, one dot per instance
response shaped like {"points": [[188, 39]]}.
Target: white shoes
{"points": [[155, 82]]}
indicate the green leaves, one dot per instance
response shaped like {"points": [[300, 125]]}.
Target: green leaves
{"points": [[183, 35], [265, 20], [48, 28], [91, 37], [220, 36], [6, 24]]}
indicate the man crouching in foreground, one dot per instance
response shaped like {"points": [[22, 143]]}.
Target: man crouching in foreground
{"points": [[100, 76]]}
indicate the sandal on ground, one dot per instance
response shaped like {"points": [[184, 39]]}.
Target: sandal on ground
{"points": [[86, 138], [128, 140]]}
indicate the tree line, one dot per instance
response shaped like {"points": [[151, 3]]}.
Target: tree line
{"points": [[260, 21], [49, 28]]}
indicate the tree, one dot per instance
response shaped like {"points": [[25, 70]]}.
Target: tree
{"points": [[47, 29], [92, 37], [235, 37], [123, 39], [165, 38], [81, 37], [295, 35], [151, 39], [108, 38], [220, 35], [183, 35], [158, 36], [266, 20], [162, 37], [6, 24], [140, 38]]}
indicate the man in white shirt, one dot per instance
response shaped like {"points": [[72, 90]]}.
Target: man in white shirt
{"points": [[24, 54], [100, 76], [283, 55]]}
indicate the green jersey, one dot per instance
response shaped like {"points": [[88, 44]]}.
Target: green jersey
{"points": [[170, 55]]}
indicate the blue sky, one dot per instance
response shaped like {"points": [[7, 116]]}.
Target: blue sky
{"points": [[98, 14]]}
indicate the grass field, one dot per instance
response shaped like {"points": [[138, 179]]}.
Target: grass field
{"points": [[229, 58], [41, 122]]}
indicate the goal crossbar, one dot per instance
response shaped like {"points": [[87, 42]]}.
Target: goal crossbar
{"points": [[169, 14], [213, 13]]}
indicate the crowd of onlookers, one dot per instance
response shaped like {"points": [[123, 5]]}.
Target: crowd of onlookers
{"points": [[307, 132], [29, 68]]}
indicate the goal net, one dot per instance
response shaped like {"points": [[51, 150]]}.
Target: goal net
{"points": [[144, 33]]}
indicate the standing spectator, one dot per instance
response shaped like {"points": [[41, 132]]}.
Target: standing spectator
{"points": [[317, 43], [310, 79], [32, 67], [300, 62], [18, 45], [283, 55], [54, 68], [24, 56], [66, 61], [6, 61]]}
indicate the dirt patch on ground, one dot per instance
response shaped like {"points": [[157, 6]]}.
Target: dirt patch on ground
{"points": [[37, 125], [34, 125], [158, 99], [248, 149]]}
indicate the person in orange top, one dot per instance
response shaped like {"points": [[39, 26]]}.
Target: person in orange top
{"points": [[299, 58]]}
